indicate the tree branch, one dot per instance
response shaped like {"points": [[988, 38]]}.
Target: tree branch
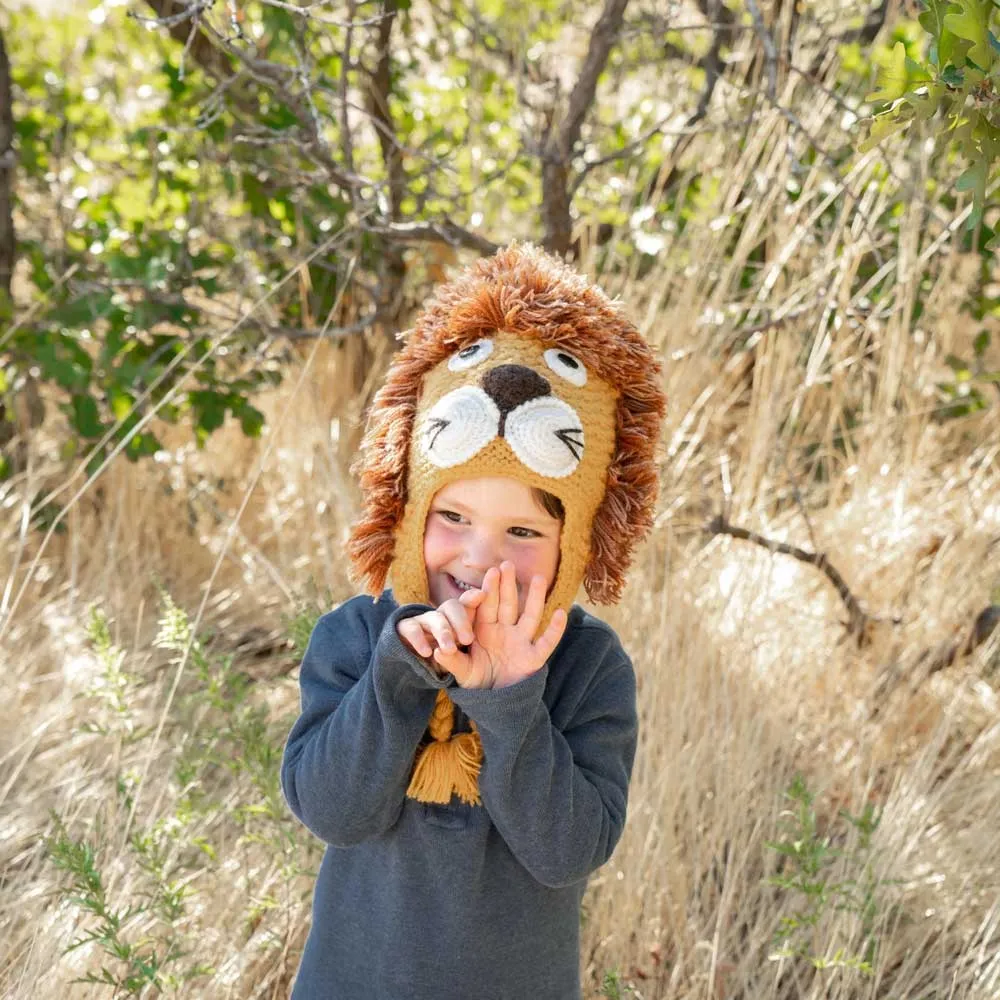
{"points": [[436, 232], [175, 15], [8, 243], [561, 141], [933, 660], [858, 618], [770, 52]]}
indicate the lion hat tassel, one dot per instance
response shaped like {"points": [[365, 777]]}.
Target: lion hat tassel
{"points": [[518, 367]]}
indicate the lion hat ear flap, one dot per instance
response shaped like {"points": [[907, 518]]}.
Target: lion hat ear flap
{"points": [[625, 515], [381, 469]]}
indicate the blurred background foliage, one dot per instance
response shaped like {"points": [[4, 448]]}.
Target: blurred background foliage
{"points": [[200, 188]]}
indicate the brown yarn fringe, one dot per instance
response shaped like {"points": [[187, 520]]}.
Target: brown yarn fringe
{"points": [[450, 764]]}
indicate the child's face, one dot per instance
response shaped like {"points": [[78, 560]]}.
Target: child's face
{"points": [[474, 524]]}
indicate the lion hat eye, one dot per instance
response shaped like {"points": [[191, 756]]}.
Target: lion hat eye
{"points": [[566, 366], [469, 357]]}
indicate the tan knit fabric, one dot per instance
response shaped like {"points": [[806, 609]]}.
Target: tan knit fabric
{"points": [[592, 405]]}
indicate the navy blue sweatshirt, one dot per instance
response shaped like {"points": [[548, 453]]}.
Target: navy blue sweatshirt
{"points": [[417, 901]]}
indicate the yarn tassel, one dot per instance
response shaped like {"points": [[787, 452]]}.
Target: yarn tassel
{"points": [[450, 764]]}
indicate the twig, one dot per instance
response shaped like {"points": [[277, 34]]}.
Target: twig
{"points": [[445, 231], [934, 659], [305, 10], [346, 137], [770, 52], [8, 160], [561, 142], [858, 618]]}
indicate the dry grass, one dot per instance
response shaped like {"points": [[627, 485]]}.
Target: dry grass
{"points": [[746, 675]]}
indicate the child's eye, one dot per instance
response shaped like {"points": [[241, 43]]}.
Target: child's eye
{"points": [[450, 515], [524, 533]]}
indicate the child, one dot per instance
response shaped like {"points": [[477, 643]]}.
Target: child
{"points": [[466, 739]]}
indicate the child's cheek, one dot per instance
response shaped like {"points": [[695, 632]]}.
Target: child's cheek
{"points": [[439, 540]]}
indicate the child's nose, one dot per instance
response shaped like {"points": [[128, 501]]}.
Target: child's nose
{"points": [[481, 553]]}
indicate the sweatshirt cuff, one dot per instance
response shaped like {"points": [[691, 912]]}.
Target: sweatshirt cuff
{"points": [[392, 648], [505, 711]]}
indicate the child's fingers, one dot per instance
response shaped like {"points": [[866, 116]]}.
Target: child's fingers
{"points": [[440, 628], [549, 639], [412, 633], [487, 612], [534, 605], [507, 609], [456, 663], [459, 618], [472, 599]]}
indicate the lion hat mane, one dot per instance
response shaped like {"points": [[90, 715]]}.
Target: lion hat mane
{"points": [[520, 292]]}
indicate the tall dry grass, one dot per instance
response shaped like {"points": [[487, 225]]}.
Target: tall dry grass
{"points": [[816, 426]]}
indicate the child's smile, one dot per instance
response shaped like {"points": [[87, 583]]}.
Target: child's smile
{"points": [[474, 524]]}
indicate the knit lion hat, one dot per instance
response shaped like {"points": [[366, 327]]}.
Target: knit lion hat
{"points": [[518, 367]]}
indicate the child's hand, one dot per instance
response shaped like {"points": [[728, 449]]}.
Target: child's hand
{"points": [[502, 649], [441, 631]]}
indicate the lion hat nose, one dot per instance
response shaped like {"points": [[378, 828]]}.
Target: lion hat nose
{"points": [[511, 385]]}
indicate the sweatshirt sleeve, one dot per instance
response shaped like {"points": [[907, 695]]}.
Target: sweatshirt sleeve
{"points": [[558, 796], [348, 758]]}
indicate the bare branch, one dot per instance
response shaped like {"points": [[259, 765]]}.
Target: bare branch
{"points": [[561, 141], [346, 136], [858, 618], [306, 11], [770, 52], [326, 333], [933, 660], [8, 242], [377, 98], [174, 15], [619, 154], [722, 21], [392, 266], [436, 232]]}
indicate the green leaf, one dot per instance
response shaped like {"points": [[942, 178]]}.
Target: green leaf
{"points": [[209, 409], [932, 18], [251, 419], [256, 198], [969, 19], [82, 311], [86, 418], [897, 76], [944, 50], [886, 124], [141, 445], [974, 179], [981, 343], [121, 403]]}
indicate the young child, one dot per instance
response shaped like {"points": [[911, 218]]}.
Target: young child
{"points": [[466, 739]]}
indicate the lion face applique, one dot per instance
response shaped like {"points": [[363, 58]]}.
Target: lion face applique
{"points": [[510, 405], [528, 396]]}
